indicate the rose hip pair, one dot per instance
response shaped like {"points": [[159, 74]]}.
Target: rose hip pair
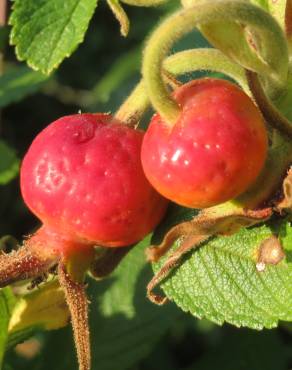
{"points": [[83, 176]]}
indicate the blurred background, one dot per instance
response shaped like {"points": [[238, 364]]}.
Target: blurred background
{"points": [[127, 332]]}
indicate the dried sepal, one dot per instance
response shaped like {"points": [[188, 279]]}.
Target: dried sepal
{"points": [[218, 220], [286, 202], [187, 244], [210, 221]]}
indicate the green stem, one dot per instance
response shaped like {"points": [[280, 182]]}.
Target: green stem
{"points": [[183, 22], [121, 16], [272, 115], [134, 106], [205, 59], [180, 63], [278, 161]]}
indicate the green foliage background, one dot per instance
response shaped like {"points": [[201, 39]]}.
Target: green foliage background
{"points": [[128, 332]]}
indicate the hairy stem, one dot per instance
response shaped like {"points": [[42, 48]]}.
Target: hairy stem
{"points": [[78, 305], [208, 59], [272, 115], [23, 264], [180, 63], [121, 16], [184, 21], [131, 111]]}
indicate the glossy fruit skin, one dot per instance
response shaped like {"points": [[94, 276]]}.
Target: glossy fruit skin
{"points": [[214, 151], [82, 177]]}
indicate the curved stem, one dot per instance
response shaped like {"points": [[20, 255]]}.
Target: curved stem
{"points": [[182, 22], [205, 59], [180, 63], [268, 182], [121, 16], [272, 115]]}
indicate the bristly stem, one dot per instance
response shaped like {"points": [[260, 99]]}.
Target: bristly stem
{"points": [[183, 22], [272, 115], [180, 63], [121, 16], [207, 59], [78, 305], [23, 264], [131, 111]]}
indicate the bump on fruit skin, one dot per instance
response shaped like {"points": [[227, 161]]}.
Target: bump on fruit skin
{"points": [[214, 151], [83, 178]]}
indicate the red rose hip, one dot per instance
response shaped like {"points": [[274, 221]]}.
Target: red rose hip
{"points": [[214, 151], [83, 178]]}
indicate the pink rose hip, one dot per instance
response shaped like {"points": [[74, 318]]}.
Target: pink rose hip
{"points": [[83, 178], [213, 152]]}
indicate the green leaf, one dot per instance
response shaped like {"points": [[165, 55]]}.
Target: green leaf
{"points": [[6, 304], [9, 164], [124, 325], [220, 282], [242, 350], [46, 31], [19, 82]]}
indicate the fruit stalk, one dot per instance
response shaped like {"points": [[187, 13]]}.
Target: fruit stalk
{"points": [[78, 305], [272, 115], [23, 264]]}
